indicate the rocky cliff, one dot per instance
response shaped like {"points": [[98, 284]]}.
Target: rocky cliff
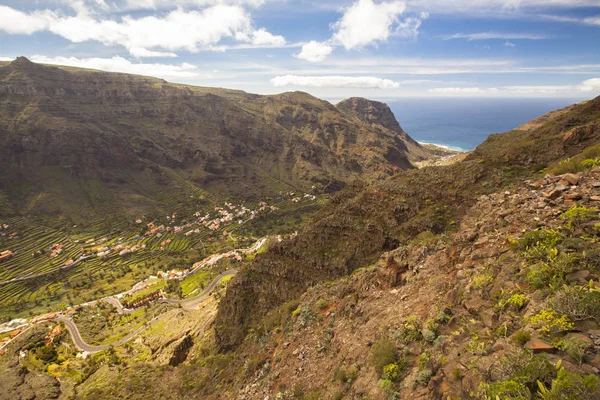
{"points": [[110, 138]]}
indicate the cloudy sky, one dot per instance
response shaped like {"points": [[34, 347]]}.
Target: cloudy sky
{"points": [[330, 48]]}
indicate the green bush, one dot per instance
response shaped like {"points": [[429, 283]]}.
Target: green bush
{"points": [[575, 348], [423, 377], [577, 303], [526, 369], [383, 352], [321, 304], [569, 386], [521, 337], [579, 215], [547, 238], [411, 331], [391, 372], [312, 396], [507, 390]]}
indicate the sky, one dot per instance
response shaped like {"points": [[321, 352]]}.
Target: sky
{"points": [[332, 49]]}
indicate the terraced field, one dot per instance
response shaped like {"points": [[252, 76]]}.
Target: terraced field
{"points": [[24, 238], [47, 282]]}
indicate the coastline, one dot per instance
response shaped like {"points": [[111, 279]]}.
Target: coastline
{"points": [[444, 146]]}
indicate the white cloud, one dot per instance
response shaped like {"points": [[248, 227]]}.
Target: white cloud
{"points": [[362, 82], [260, 38], [177, 30], [469, 90], [409, 27], [120, 64], [16, 22], [7, 58], [509, 44], [494, 6], [153, 4], [315, 51], [495, 35], [140, 52], [590, 85], [366, 22]]}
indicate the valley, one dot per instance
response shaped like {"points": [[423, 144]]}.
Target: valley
{"points": [[174, 242]]}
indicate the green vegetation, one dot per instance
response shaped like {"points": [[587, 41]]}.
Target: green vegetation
{"points": [[588, 158], [383, 353]]}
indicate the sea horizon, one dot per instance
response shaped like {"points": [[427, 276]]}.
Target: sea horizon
{"points": [[462, 124]]}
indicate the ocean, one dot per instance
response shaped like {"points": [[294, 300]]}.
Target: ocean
{"points": [[463, 124]]}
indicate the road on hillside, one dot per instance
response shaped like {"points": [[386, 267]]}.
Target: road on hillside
{"points": [[192, 303], [187, 304]]}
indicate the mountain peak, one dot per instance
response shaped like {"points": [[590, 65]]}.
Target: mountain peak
{"points": [[21, 61]]}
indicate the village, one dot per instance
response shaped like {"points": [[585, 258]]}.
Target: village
{"points": [[196, 224]]}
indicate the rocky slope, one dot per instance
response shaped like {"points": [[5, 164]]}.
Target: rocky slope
{"points": [[463, 311], [362, 222], [76, 141]]}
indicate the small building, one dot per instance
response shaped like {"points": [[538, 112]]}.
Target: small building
{"points": [[6, 255]]}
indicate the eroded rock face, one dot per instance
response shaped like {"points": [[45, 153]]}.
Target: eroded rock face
{"points": [[181, 350]]}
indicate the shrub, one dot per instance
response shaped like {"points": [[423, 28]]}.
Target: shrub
{"points": [[410, 329], [428, 335], [383, 352], [550, 323], [312, 396], [423, 377], [577, 303], [569, 386], [481, 281], [391, 372], [306, 317], [521, 337], [321, 304], [547, 238], [338, 395], [525, 368], [344, 376], [515, 300], [386, 386], [577, 215], [518, 300], [575, 348], [507, 390]]}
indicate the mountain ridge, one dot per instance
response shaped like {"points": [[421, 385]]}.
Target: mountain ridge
{"points": [[122, 129]]}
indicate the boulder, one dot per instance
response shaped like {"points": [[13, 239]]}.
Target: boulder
{"points": [[572, 179], [539, 346]]}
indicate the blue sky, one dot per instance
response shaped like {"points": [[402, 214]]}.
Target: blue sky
{"points": [[332, 49]]}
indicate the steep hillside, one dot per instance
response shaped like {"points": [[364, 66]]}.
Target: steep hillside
{"points": [[81, 142], [362, 222]]}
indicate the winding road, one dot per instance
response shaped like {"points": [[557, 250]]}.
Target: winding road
{"points": [[192, 303], [186, 304]]}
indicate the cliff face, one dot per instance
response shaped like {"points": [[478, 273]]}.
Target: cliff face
{"points": [[128, 134], [378, 114]]}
